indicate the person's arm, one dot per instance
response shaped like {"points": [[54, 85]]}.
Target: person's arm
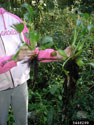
{"points": [[50, 55], [45, 55], [6, 65]]}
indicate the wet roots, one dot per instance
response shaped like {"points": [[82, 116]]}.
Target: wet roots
{"points": [[69, 86]]}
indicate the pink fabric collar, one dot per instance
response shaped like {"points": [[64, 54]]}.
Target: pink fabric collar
{"points": [[2, 11]]}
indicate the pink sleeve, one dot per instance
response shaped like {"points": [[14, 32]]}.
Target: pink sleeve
{"points": [[6, 66], [4, 59], [45, 55]]}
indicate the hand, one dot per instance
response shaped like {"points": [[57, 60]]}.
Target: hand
{"points": [[25, 53], [69, 52]]}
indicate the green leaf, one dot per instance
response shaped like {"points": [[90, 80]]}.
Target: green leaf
{"points": [[28, 17], [53, 89], [75, 37], [18, 27], [27, 36], [79, 61], [83, 31], [50, 116], [90, 27], [80, 45], [62, 53], [60, 97], [80, 51], [47, 42], [92, 64], [14, 57], [85, 15], [34, 37], [47, 39], [29, 8]]}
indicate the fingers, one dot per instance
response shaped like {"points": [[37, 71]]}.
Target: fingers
{"points": [[24, 48], [69, 51], [25, 53], [20, 58]]}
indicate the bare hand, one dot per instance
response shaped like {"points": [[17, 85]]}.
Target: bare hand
{"points": [[25, 53], [69, 52]]}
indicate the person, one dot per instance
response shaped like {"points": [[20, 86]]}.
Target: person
{"points": [[14, 74]]}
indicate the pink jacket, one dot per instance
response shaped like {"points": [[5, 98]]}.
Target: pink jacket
{"points": [[13, 74]]}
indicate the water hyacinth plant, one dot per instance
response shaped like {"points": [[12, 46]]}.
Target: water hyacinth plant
{"points": [[83, 38], [32, 36]]}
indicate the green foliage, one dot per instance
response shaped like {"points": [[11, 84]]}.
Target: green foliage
{"points": [[46, 42], [81, 40], [83, 100], [63, 37], [29, 14], [79, 62], [18, 27], [84, 5], [45, 95], [45, 98], [34, 37], [10, 117], [62, 53]]}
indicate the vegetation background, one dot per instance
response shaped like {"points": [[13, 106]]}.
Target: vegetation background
{"points": [[56, 18]]}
